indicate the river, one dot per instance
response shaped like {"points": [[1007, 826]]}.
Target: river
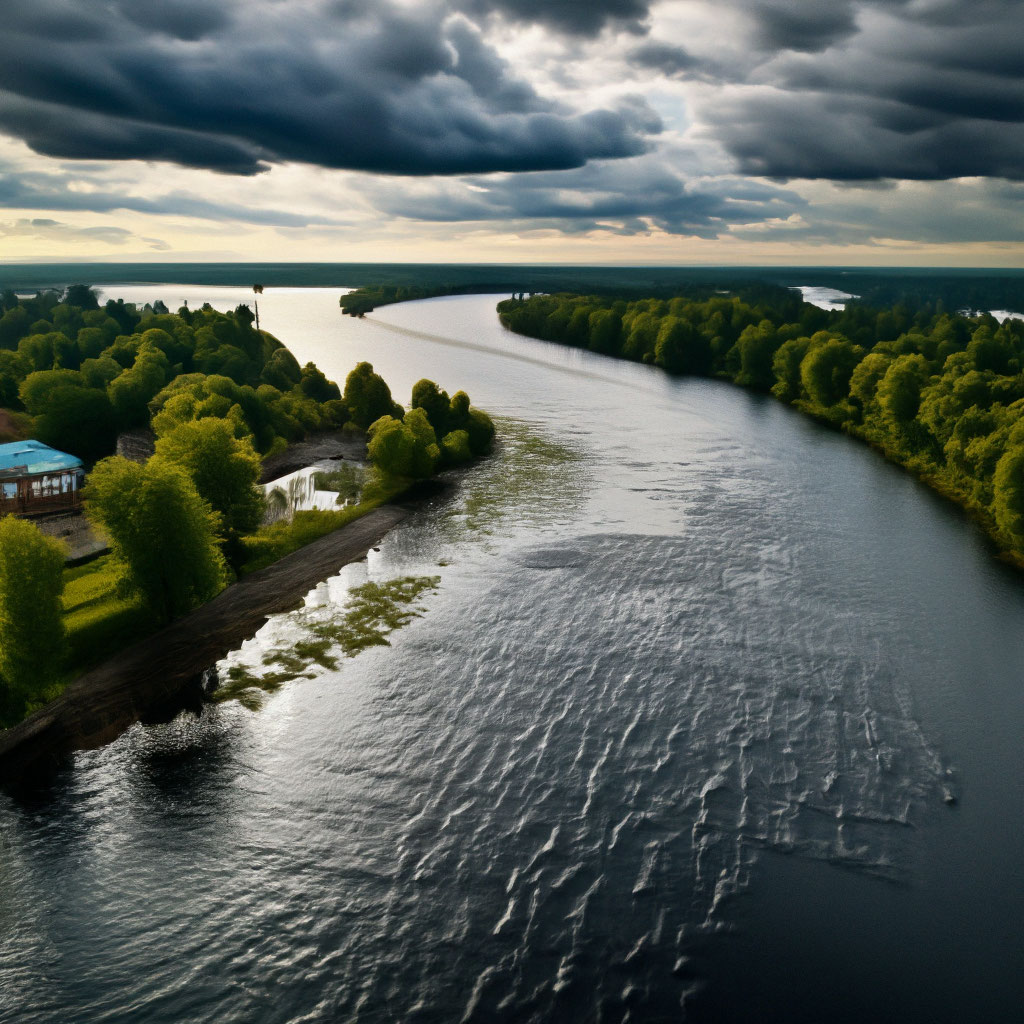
{"points": [[671, 740]]}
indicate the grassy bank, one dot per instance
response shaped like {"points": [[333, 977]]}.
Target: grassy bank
{"points": [[100, 622], [272, 542], [97, 619]]}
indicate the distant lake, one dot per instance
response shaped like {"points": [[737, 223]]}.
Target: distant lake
{"points": [[824, 298], [999, 314], [832, 299]]}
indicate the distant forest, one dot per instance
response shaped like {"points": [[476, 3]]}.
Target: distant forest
{"points": [[79, 373], [945, 289], [940, 393]]}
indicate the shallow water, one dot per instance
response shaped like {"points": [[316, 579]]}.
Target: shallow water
{"points": [[671, 740]]}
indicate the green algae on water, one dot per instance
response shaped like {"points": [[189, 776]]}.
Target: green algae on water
{"points": [[531, 478], [373, 612]]}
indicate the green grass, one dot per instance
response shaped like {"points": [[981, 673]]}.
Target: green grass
{"points": [[272, 542], [269, 543], [100, 622]]}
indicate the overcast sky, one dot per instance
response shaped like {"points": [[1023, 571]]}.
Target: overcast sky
{"points": [[589, 131]]}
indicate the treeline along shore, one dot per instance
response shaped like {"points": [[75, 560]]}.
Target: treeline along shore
{"points": [[956, 288], [219, 397], [940, 393]]}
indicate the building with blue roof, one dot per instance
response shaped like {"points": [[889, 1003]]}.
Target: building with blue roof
{"points": [[37, 478]]}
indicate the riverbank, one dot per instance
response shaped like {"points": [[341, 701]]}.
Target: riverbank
{"points": [[336, 445], [161, 675], [926, 475]]}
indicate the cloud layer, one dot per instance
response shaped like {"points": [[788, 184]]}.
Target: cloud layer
{"points": [[700, 119], [363, 86], [866, 89]]}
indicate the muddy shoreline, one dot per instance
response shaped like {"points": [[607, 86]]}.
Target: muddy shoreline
{"points": [[154, 679]]}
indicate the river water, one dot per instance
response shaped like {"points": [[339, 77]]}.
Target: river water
{"points": [[672, 740]]}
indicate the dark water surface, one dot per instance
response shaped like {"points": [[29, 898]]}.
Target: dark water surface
{"points": [[670, 742]]}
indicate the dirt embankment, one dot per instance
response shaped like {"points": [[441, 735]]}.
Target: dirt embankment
{"points": [[159, 676], [317, 448]]}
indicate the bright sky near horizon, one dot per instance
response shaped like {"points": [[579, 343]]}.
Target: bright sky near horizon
{"points": [[583, 131]]}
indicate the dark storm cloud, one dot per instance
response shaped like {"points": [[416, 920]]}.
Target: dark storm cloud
{"points": [[183, 19], [575, 17], [795, 136], [669, 59], [972, 212], [348, 85], [798, 25], [632, 195], [878, 88], [810, 26]]}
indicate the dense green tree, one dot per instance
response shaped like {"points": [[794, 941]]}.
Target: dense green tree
{"points": [[866, 375], [367, 397], [91, 342], [391, 447], [98, 373], [32, 641], [80, 421], [577, 330], [455, 448], [14, 326], [426, 451], [977, 442], [786, 366], [641, 334], [458, 409], [947, 398], [176, 346], [132, 390], [480, 428], [281, 370], [1008, 494], [317, 386], [404, 448], [225, 470], [81, 296], [39, 349], [605, 330], [426, 395], [124, 349], [987, 352], [161, 531], [13, 370], [826, 370], [899, 391], [66, 352], [680, 347], [124, 313], [36, 388], [757, 347], [270, 417], [69, 415]]}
